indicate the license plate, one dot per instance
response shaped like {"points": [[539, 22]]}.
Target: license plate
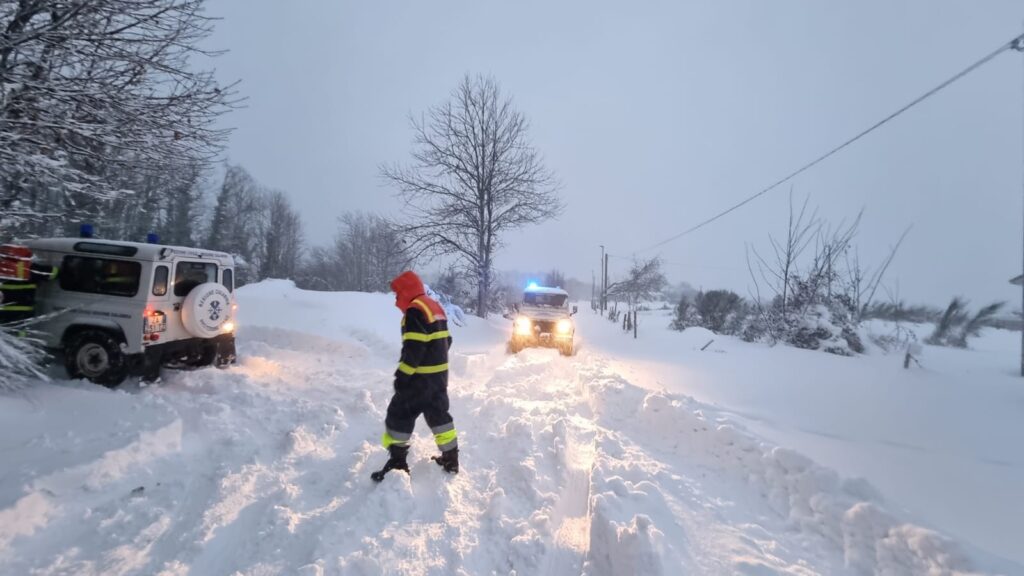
{"points": [[155, 323]]}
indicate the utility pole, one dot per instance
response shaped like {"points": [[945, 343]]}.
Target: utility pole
{"points": [[604, 276], [1018, 45], [605, 282]]}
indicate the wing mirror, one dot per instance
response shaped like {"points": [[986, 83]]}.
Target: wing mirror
{"points": [[575, 309]]}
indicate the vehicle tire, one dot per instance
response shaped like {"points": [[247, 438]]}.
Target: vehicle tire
{"points": [[513, 348], [150, 370], [206, 357], [95, 355], [225, 354], [566, 349]]}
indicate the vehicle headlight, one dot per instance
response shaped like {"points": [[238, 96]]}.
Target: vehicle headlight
{"points": [[523, 326], [228, 326], [564, 326]]}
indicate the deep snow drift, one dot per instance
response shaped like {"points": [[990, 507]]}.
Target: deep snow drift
{"points": [[569, 467], [944, 440]]}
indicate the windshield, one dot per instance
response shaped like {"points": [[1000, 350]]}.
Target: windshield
{"points": [[540, 299]]}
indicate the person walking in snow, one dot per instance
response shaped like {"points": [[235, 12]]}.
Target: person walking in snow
{"points": [[421, 380]]}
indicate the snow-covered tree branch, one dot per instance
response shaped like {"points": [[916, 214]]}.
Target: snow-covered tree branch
{"points": [[99, 100]]}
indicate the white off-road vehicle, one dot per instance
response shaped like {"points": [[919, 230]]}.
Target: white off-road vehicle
{"points": [[118, 309], [543, 319]]}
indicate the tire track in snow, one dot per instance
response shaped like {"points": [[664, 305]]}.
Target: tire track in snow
{"points": [[628, 480], [522, 426], [571, 517], [595, 486]]}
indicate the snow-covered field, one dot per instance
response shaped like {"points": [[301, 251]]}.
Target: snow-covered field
{"points": [[943, 441], [646, 457]]}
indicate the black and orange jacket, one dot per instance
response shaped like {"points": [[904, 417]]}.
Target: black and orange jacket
{"points": [[425, 337], [18, 282]]}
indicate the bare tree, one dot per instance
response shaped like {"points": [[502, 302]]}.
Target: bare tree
{"points": [[765, 314], [370, 251], [801, 231], [645, 280], [810, 284], [319, 271], [555, 279], [474, 177], [797, 283], [865, 283]]}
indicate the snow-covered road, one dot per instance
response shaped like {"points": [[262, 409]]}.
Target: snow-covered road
{"points": [[568, 468]]}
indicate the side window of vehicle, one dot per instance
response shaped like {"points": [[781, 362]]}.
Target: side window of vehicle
{"points": [[188, 275], [160, 279], [100, 276], [228, 279]]}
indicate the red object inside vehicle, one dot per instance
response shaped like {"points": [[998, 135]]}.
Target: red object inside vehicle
{"points": [[15, 262]]}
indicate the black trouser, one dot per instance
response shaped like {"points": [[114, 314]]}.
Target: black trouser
{"points": [[429, 397], [18, 301]]}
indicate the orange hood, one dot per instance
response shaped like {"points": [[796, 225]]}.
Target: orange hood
{"points": [[407, 287]]}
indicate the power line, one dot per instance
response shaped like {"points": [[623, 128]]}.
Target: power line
{"points": [[1016, 43], [680, 264]]}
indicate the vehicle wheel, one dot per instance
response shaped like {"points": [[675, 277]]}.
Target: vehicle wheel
{"points": [[566, 349], [150, 370], [513, 348], [207, 354], [225, 354], [95, 355]]}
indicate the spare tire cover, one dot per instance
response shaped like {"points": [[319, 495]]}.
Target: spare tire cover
{"points": [[206, 309]]}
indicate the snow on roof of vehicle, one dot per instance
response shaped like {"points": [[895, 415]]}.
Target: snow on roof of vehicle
{"points": [[545, 290], [136, 250]]}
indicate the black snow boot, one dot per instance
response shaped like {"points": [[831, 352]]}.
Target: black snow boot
{"points": [[448, 460], [396, 462]]}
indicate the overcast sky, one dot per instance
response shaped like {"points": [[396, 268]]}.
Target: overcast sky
{"points": [[656, 115]]}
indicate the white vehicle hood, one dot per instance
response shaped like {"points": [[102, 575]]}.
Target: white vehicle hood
{"points": [[543, 313]]}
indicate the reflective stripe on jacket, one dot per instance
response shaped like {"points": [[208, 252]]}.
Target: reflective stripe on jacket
{"points": [[425, 343]]}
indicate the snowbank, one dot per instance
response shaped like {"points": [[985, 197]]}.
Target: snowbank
{"points": [[570, 467], [941, 442]]}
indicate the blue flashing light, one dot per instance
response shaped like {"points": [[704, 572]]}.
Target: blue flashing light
{"points": [[152, 238], [86, 231], [532, 286]]}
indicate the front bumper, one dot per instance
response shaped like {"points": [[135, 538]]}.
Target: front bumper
{"points": [[541, 340]]}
